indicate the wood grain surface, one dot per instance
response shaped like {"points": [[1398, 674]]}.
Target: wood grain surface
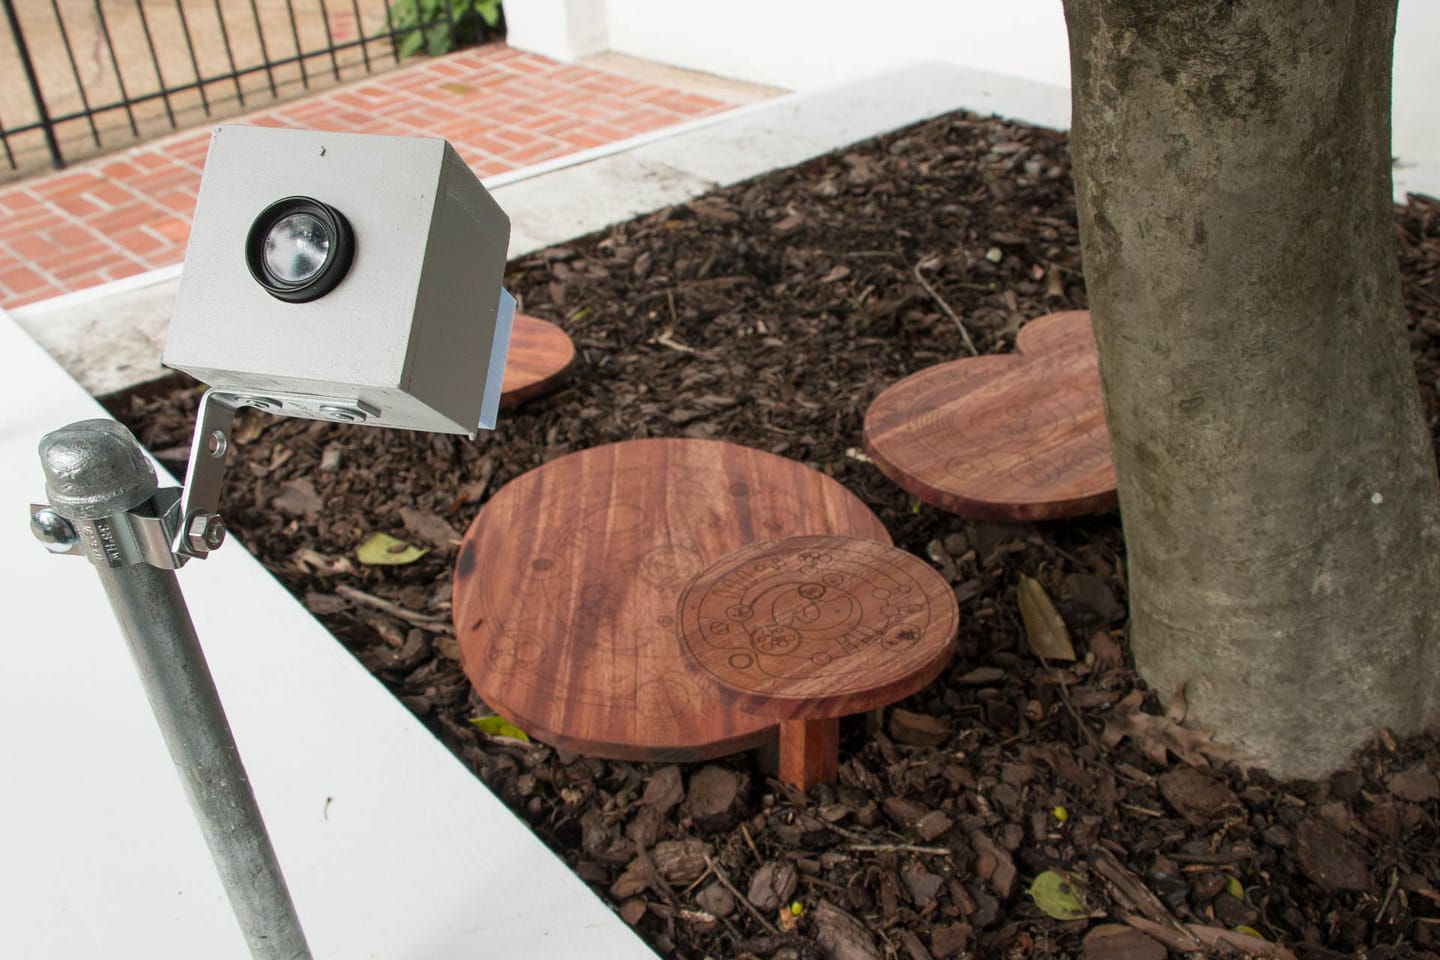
{"points": [[539, 359], [818, 626], [1006, 437], [809, 752], [568, 581]]}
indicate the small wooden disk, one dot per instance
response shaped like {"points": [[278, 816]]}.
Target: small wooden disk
{"points": [[567, 583], [810, 629], [819, 626], [540, 357], [1013, 437]]}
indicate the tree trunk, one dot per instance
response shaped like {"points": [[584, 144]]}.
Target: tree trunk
{"points": [[1277, 484]]}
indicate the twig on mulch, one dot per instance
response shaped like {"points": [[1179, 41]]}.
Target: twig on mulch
{"points": [[1389, 894], [750, 842], [394, 609], [740, 898], [1212, 859], [900, 848], [1136, 899], [935, 295], [1070, 707], [659, 884], [666, 340]]}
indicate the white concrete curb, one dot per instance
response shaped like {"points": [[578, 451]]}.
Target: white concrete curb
{"points": [[391, 848]]}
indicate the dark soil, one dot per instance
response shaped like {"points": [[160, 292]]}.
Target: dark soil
{"points": [[770, 314]]}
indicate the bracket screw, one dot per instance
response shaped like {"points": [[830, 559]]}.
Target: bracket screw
{"points": [[206, 532], [343, 414], [53, 530]]}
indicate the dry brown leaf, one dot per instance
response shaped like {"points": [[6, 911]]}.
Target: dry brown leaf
{"points": [[1215, 940], [1179, 706], [1044, 627], [249, 425], [1246, 945], [1108, 654], [308, 559], [1158, 737], [632, 910], [430, 527], [298, 498]]}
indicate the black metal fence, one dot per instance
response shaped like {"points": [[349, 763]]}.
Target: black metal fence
{"points": [[79, 77]]}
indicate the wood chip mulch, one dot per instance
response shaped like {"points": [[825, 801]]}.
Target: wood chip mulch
{"points": [[770, 314]]}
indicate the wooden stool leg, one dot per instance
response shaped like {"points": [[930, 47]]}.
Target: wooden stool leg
{"points": [[809, 752]]}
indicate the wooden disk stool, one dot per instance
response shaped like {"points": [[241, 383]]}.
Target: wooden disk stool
{"points": [[807, 630], [539, 358], [566, 584], [1017, 436]]}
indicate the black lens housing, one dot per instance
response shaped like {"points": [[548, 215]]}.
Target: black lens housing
{"points": [[337, 264]]}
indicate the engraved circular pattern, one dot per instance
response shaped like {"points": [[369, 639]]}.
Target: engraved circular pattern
{"points": [[1013, 437], [568, 579], [833, 624]]}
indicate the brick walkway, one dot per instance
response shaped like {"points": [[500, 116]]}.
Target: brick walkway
{"points": [[502, 109]]}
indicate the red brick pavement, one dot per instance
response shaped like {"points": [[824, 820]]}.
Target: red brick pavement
{"points": [[502, 109]]}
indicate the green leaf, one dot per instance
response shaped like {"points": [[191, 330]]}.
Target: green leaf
{"points": [[438, 40], [383, 550], [489, 11], [1234, 888], [497, 726], [403, 13], [1061, 895], [439, 26]]}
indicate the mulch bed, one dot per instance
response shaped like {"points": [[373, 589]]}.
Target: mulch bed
{"points": [[770, 314]]}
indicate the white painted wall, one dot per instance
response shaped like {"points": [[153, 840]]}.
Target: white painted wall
{"points": [[560, 29], [802, 44], [807, 44], [1415, 116]]}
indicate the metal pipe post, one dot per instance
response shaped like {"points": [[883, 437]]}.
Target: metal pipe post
{"points": [[95, 475]]}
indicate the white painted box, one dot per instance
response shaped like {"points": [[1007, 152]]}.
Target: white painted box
{"points": [[415, 331]]}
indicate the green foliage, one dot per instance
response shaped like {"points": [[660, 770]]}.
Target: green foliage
{"points": [[439, 26], [381, 549], [1062, 895], [496, 726]]}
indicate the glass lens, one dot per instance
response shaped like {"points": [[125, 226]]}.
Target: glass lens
{"points": [[296, 247]]}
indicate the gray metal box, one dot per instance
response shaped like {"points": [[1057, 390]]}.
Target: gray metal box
{"points": [[415, 333]]}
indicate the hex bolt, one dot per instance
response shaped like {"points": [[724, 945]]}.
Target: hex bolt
{"points": [[206, 532], [53, 530]]}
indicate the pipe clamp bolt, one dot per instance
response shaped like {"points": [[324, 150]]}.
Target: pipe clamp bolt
{"points": [[53, 530], [206, 532]]}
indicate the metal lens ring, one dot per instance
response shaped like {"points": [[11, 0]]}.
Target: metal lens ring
{"points": [[299, 249]]}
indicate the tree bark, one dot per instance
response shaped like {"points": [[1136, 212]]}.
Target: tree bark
{"points": [[1276, 481]]}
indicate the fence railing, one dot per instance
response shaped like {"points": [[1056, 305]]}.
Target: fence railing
{"points": [[80, 77]]}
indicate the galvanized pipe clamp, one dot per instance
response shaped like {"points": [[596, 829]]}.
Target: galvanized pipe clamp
{"points": [[106, 504]]}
